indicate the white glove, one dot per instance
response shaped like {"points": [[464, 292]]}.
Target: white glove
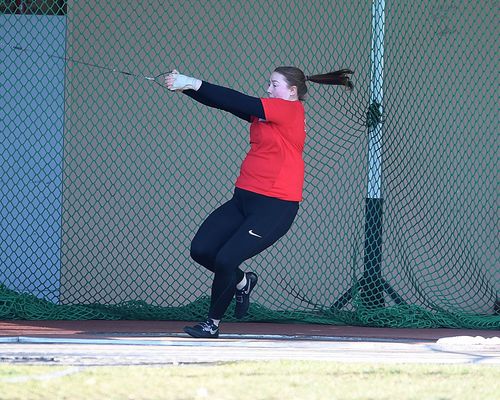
{"points": [[176, 81]]}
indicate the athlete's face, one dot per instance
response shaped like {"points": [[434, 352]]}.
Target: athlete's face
{"points": [[279, 88]]}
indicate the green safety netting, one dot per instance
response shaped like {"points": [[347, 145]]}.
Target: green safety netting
{"points": [[105, 175]]}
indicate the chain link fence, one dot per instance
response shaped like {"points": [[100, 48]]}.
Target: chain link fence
{"points": [[106, 176]]}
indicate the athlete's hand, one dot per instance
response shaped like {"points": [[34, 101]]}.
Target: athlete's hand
{"points": [[176, 81]]}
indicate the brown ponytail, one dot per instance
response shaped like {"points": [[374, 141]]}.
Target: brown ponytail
{"points": [[340, 78], [295, 77]]}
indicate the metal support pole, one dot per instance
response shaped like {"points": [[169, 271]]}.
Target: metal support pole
{"points": [[372, 285], [376, 101]]}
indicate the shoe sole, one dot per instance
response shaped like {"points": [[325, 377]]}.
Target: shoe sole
{"points": [[196, 334]]}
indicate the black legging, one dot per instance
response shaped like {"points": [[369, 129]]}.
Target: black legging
{"points": [[238, 230]]}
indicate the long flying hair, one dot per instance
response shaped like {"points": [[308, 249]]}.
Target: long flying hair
{"points": [[296, 77]]}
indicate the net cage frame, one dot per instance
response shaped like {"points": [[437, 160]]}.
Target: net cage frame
{"points": [[106, 177]]}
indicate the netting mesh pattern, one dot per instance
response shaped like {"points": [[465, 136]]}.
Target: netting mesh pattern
{"points": [[106, 176]]}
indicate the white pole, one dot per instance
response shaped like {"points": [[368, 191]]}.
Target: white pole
{"points": [[376, 100]]}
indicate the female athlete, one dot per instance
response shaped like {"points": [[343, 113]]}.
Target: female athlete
{"points": [[267, 191]]}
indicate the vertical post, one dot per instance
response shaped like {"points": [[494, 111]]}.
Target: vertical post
{"points": [[372, 285], [376, 101]]}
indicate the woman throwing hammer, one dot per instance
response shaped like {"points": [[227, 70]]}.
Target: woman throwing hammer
{"points": [[268, 189]]}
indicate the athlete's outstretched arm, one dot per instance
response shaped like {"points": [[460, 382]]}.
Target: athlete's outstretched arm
{"points": [[230, 100], [237, 103]]}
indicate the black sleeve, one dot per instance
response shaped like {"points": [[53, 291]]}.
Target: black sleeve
{"points": [[237, 103]]}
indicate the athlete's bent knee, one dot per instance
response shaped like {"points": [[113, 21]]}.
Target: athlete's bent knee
{"points": [[202, 255], [225, 265]]}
